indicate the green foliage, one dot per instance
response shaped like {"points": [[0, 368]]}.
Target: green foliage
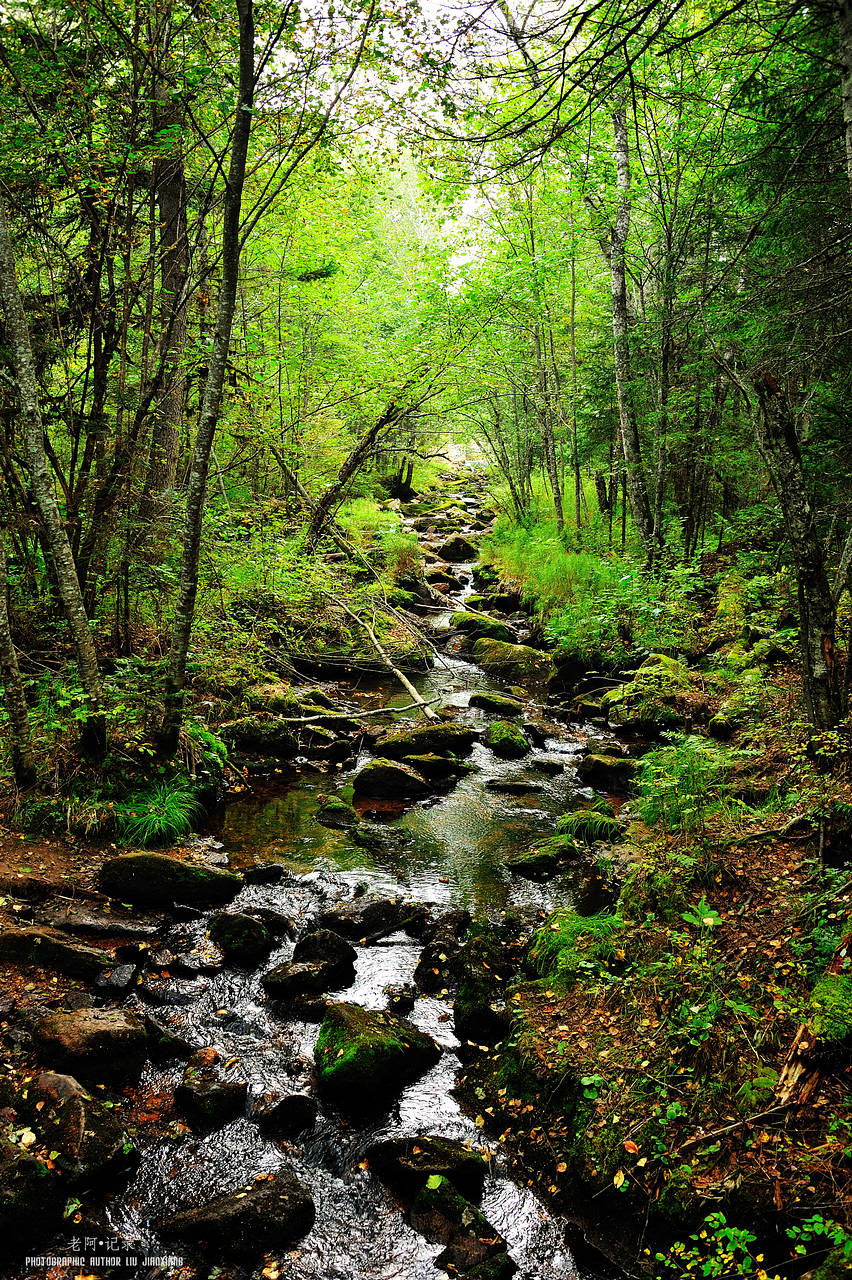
{"points": [[160, 815], [587, 825], [570, 945], [722, 1250], [678, 783], [831, 1007]]}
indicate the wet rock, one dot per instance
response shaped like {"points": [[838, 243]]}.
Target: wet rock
{"points": [[158, 877], [502, 602], [165, 1040], [438, 739], [323, 946], [266, 873], [48, 949], [478, 626], [405, 1164], [208, 1095], [451, 924], [277, 922], [401, 998], [515, 663], [364, 1058], [101, 1044], [609, 773], [365, 917], [271, 1213], [485, 576], [31, 1199], [439, 769], [88, 1136], [445, 1217], [457, 549], [243, 939], [544, 857], [206, 958], [497, 702], [506, 740], [486, 965], [106, 922], [439, 576], [305, 980], [391, 779], [513, 786], [437, 966], [647, 702], [549, 767], [336, 813], [284, 1115], [117, 981], [261, 735]]}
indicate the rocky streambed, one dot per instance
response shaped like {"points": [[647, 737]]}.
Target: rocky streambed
{"points": [[255, 1069]]}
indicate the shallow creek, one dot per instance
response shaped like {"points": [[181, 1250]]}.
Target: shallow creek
{"points": [[448, 851]]}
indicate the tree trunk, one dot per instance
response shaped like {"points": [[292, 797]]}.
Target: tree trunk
{"points": [[776, 432], [327, 504], [23, 760], [635, 476], [844, 25], [56, 537], [211, 401]]}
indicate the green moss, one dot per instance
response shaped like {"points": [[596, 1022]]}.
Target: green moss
{"points": [[544, 856], [480, 626], [513, 662], [335, 812], [506, 740], [362, 1054], [569, 945], [831, 1007], [654, 889], [647, 700]]}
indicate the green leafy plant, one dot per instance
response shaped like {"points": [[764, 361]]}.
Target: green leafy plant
{"points": [[158, 816]]}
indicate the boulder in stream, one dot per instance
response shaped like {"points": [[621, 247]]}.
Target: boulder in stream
{"points": [[544, 857], [405, 1164], [389, 779], [498, 702], [438, 739], [364, 1057], [514, 663], [472, 1245], [208, 1095], [608, 773], [336, 813], [457, 549], [305, 980], [102, 1044], [284, 1115], [506, 740], [273, 1212], [364, 917], [479, 625], [160, 877], [243, 939], [262, 735]]}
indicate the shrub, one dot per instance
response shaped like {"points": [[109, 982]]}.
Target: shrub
{"points": [[678, 783]]}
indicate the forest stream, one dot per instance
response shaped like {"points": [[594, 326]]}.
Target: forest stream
{"points": [[442, 854]]}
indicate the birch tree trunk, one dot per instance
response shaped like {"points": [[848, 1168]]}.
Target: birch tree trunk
{"points": [[23, 760], [211, 400], [637, 489], [55, 534], [776, 433]]}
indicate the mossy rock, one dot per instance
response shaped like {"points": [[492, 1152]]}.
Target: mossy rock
{"points": [[276, 697], [336, 813], [514, 663], [45, 947], [271, 735], [479, 626], [647, 701], [207, 1095], [588, 826], [241, 937], [31, 1198], [317, 698], [445, 1217], [610, 773], [405, 1164], [389, 779], [440, 769], [831, 1008], [271, 1214], [506, 740], [364, 1057], [159, 878], [544, 857], [437, 739], [498, 702], [88, 1136]]}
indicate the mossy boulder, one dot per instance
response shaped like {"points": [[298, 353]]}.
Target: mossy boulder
{"points": [[457, 550], [276, 697], [830, 1008], [364, 1057], [43, 947], [161, 878], [297, 981], [544, 857], [99, 1044], [273, 1213], [479, 625], [588, 826], [261, 735], [647, 702], [88, 1136], [439, 769], [435, 739], [513, 663], [405, 1164], [389, 779], [610, 773], [336, 813], [242, 938], [498, 702], [506, 740]]}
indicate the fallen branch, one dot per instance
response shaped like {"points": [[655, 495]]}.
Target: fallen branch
{"points": [[400, 676], [729, 1128]]}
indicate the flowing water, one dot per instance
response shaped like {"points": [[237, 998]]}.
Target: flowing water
{"points": [[448, 851]]}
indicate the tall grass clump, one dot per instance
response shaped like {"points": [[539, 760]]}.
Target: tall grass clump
{"points": [[160, 815]]}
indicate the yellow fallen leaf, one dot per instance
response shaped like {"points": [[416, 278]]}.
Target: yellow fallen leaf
{"points": [[618, 1180], [631, 1147]]}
